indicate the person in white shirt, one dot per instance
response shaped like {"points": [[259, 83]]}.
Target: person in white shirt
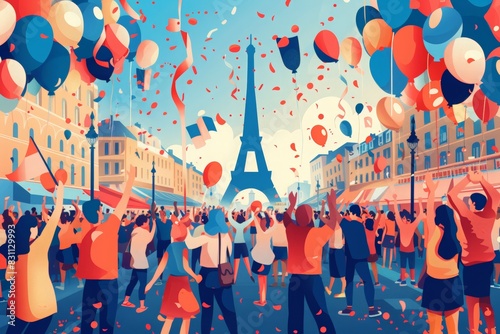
{"points": [[280, 250], [210, 236], [141, 237], [495, 238], [238, 222]]}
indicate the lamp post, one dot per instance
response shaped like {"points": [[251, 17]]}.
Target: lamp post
{"points": [[317, 193], [153, 172], [92, 137], [412, 145]]}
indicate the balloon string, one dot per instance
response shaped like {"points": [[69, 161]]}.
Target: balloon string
{"points": [[437, 140], [130, 93], [300, 126]]}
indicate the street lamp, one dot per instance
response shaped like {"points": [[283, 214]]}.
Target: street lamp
{"points": [[153, 172], [92, 137], [317, 193], [412, 145]]}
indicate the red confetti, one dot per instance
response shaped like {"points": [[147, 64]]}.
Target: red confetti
{"points": [[271, 68], [355, 83], [320, 77], [220, 317], [204, 57], [321, 116], [319, 312], [283, 102], [330, 18], [189, 82], [299, 95], [234, 48], [276, 88], [260, 87], [156, 75], [173, 47], [295, 28], [205, 305], [287, 2], [154, 105], [277, 307], [292, 146], [275, 37], [278, 330], [261, 15], [283, 42], [93, 324], [386, 316], [310, 85], [164, 113], [44, 36], [174, 122], [192, 21], [323, 329], [76, 329], [148, 327], [68, 120]]}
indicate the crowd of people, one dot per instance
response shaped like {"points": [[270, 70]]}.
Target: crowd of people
{"points": [[460, 242]]}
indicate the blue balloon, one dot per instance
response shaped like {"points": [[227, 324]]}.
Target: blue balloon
{"points": [[380, 67], [33, 87], [416, 19], [346, 128], [448, 28], [134, 30], [52, 74], [92, 30], [472, 7], [395, 13], [359, 108], [5, 51], [8, 105], [454, 91], [290, 54], [32, 39], [364, 15], [491, 80], [477, 28], [67, 134], [101, 72]]}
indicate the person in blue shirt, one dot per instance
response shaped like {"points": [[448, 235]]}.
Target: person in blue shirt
{"points": [[164, 228]]}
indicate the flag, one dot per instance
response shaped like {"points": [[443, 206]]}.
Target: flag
{"points": [[32, 166], [199, 132]]}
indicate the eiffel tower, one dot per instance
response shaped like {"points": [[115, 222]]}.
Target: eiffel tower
{"points": [[242, 178]]}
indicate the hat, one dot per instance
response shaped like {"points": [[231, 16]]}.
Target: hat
{"points": [[216, 223]]}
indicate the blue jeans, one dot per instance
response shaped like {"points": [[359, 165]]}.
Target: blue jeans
{"points": [[361, 267], [99, 291], [36, 327], [141, 276], [195, 257], [310, 288]]}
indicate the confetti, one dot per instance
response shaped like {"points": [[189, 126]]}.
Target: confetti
{"points": [[261, 15]]}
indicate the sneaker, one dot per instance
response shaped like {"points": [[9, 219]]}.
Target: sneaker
{"points": [[361, 283], [346, 312], [377, 284], [398, 281], [414, 283], [60, 287], [328, 291], [158, 282], [403, 283], [374, 313], [496, 286], [80, 286], [339, 295]]}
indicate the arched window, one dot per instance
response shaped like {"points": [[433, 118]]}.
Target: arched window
{"points": [[83, 153], [72, 174], [61, 145], [14, 159], [49, 141], [476, 150], [15, 130], [387, 172], [49, 163], [401, 169], [72, 149], [77, 115], [83, 176], [443, 158], [32, 133], [459, 155], [64, 109]]}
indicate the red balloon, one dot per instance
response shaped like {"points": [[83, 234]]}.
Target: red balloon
{"points": [[47, 182], [81, 67], [410, 53], [256, 205], [435, 68], [426, 7], [339, 158], [319, 135], [212, 174], [117, 41], [61, 175], [380, 164], [12, 79], [484, 108], [431, 97], [327, 46], [492, 16], [29, 7]]}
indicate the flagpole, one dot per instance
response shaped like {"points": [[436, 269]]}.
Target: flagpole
{"points": [[45, 162]]}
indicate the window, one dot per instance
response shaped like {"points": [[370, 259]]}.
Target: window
{"points": [[32, 133], [387, 172], [443, 134], [83, 153], [370, 145], [401, 150], [49, 163], [427, 117], [380, 140], [367, 162], [61, 146], [117, 168], [90, 99], [79, 93], [106, 169], [72, 149], [476, 150], [459, 155], [360, 163], [39, 98], [367, 178], [106, 148], [117, 148], [427, 162], [61, 164], [363, 148], [64, 109], [72, 174], [443, 158], [15, 130], [49, 141], [388, 136], [460, 130], [77, 115], [428, 141], [83, 176], [401, 169], [361, 178], [441, 113], [387, 153], [489, 146], [477, 127], [491, 125], [373, 176], [14, 159]]}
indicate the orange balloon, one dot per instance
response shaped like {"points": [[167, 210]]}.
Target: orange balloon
{"points": [[47, 182], [350, 49], [212, 174], [319, 135], [29, 7], [431, 97], [380, 164], [61, 175], [377, 35], [339, 158], [147, 54], [256, 205], [391, 113]]}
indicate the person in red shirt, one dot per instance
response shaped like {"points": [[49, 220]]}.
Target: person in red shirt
{"points": [[477, 222], [98, 263]]}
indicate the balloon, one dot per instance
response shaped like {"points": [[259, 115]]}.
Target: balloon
{"points": [[61, 175], [256, 205], [53, 72], [117, 41], [33, 87], [416, 19], [346, 128], [134, 32], [426, 7], [435, 68], [31, 49], [339, 158], [457, 113], [212, 174], [359, 108], [8, 19], [475, 8], [12, 79], [7, 105], [67, 134], [67, 22], [492, 17], [29, 7], [376, 36], [484, 108], [47, 182], [290, 52], [491, 79], [92, 29], [147, 54], [364, 15], [110, 11], [391, 113], [465, 60], [477, 28], [409, 52], [410, 94], [326, 46], [350, 49], [319, 135], [380, 164], [381, 67], [441, 27], [104, 71], [431, 97], [454, 91], [73, 81], [395, 13]]}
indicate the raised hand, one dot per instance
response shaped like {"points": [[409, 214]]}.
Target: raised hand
{"points": [[292, 197], [475, 176], [429, 183]]}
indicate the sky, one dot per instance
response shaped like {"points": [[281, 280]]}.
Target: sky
{"points": [[283, 121]]}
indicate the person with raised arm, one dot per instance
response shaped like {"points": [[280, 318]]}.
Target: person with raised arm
{"points": [[371, 229], [280, 250], [495, 239], [164, 227], [442, 288], [239, 224], [98, 263], [305, 247], [477, 222], [35, 298]]}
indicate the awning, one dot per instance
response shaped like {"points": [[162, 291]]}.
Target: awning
{"points": [[112, 197], [33, 193], [164, 198], [404, 191], [377, 194]]}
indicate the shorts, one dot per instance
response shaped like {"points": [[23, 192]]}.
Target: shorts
{"points": [[372, 258], [240, 250], [388, 242], [336, 261], [497, 257], [161, 247], [66, 256], [440, 295], [407, 257], [477, 279], [280, 253], [256, 266], [253, 230]]}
